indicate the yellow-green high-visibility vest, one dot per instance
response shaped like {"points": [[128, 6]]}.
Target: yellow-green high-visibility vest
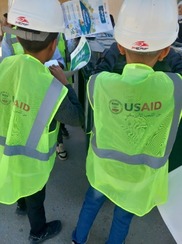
{"points": [[136, 116], [14, 45], [29, 99], [62, 46]]}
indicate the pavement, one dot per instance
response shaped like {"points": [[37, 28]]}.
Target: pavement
{"points": [[65, 192]]}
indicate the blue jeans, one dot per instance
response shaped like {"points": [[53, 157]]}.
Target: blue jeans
{"points": [[91, 206]]}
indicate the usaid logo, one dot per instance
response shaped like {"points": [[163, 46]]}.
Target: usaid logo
{"points": [[5, 98], [117, 107], [143, 106]]}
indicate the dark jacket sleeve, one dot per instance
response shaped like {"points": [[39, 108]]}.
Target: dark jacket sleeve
{"points": [[111, 60], [70, 111], [171, 63], [174, 60], [107, 60]]}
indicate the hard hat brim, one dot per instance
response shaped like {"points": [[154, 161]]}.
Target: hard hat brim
{"points": [[26, 35]]}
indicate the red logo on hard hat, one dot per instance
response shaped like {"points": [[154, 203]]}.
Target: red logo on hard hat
{"points": [[140, 45], [21, 20]]}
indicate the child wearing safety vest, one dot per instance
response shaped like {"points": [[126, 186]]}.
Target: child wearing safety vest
{"points": [[34, 99], [136, 116]]}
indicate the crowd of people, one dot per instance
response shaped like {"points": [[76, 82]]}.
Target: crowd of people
{"points": [[134, 95]]}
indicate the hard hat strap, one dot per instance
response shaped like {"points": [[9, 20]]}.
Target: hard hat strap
{"points": [[26, 34]]}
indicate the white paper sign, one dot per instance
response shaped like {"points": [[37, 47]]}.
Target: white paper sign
{"points": [[86, 17], [171, 212], [51, 62]]}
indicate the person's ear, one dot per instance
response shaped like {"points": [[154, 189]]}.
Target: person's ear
{"points": [[121, 49], [53, 45], [164, 53]]}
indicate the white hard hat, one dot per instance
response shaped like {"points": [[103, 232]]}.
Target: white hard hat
{"points": [[147, 25], [10, 3], [39, 15]]}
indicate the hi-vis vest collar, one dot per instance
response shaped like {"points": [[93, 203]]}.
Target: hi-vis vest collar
{"points": [[153, 162], [43, 115]]}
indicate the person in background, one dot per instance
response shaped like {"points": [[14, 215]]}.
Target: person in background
{"points": [[60, 149], [34, 99], [4, 23], [65, 47], [63, 132], [11, 45], [136, 116]]}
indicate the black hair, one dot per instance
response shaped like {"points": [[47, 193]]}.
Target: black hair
{"points": [[5, 15], [146, 54], [36, 46]]}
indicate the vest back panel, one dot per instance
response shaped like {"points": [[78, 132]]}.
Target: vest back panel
{"points": [[29, 99], [133, 113]]}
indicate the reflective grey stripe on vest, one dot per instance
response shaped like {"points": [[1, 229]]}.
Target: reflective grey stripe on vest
{"points": [[2, 140], [91, 87], [153, 162], [45, 111], [177, 110], [10, 41]]}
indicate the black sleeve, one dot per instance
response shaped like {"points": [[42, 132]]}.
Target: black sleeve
{"points": [[174, 60], [107, 60], [70, 111]]}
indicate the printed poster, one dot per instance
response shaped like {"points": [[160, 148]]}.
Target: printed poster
{"points": [[86, 17]]}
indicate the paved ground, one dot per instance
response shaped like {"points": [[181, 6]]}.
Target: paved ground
{"points": [[65, 192]]}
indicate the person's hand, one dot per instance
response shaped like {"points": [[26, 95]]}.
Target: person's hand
{"points": [[58, 73]]}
